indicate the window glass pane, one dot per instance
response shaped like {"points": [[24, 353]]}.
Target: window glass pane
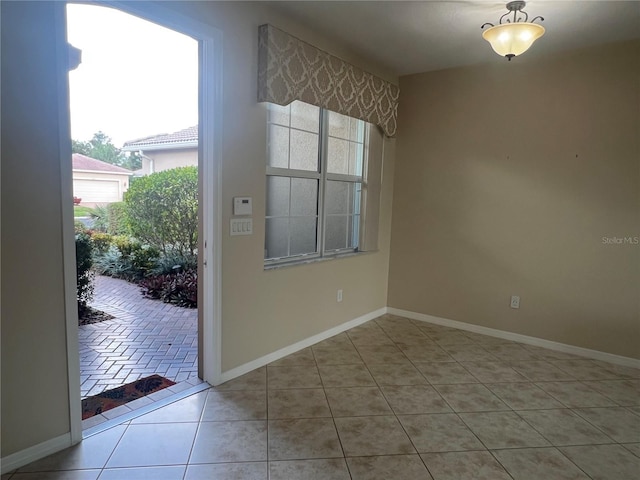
{"points": [[356, 157], [305, 116], [279, 114], [357, 196], [304, 150], [337, 197], [354, 231], [276, 239], [303, 235], [304, 196], [337, 156], [356, 130], [278, 196], [336, 232], [338, 125], [278, 146]]}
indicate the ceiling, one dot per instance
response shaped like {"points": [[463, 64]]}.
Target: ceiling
{"points": [[409, 37]]}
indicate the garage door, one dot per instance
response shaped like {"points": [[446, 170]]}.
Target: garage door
{"points": [[96, 191]]}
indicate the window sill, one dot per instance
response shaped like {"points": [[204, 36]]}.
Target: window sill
{"points": [[278, 266]]}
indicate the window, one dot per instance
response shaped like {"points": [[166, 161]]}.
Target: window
{"points": [[314, 183]]}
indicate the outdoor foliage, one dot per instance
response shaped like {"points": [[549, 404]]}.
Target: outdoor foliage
{"points": [[172, 278], [173, 263], [122, 257], [99, 216], [110, 218], [84, 262], [162, 210], [101, 242], [117, 219], [101, 148], [178, 288]]}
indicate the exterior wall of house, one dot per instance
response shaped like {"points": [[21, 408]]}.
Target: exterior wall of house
{"points": [[262, 311], [516, 178], [97, 188], [168, 159], [35, 399]]}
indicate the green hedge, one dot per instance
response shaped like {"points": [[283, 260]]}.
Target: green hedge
{"points": [[162, 210]]}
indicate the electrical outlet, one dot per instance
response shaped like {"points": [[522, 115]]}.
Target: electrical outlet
{"points": [[515, 301], [339, 295]]}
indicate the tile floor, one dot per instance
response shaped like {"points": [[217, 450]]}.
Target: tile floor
{"points": [[390, 399]]}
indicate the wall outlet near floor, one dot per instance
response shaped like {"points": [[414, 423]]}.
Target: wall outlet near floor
{"points": [[339, 295], [515, 301]]}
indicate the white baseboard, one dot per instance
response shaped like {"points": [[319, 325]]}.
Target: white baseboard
{"points": [[31, 454], [516, 337], [307, 342]]}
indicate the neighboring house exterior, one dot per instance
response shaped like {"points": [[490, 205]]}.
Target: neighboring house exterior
{"points": [[97, 182], [166, 151]]}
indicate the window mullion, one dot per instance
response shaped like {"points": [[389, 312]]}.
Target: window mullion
{"points": [[341, 177], [288, 172], [323, 180]]}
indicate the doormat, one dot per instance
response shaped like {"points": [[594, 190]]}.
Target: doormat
{"points": [[115, 397]]}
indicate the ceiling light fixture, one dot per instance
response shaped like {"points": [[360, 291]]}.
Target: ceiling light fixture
{"points": [[513, 35]]}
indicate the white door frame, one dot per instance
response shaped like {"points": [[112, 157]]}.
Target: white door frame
{"points": [[209, 165]]}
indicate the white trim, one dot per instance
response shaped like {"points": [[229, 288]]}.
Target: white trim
{"points": [[210, 94], [31, 454], [307, 342], [161, 146], [210, 131], [210, 40], [517, 337], [68, 235], [105, 172]]}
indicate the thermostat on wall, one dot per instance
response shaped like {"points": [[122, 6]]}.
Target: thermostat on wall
{"points": [[242, 205]]}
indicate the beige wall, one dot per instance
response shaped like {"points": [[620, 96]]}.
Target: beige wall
{"points": [[508, 177], [35, 400], [262, 311], [167, 159]]}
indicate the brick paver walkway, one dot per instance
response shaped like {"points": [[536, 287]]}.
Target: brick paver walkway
{"points": [[146, 337]]}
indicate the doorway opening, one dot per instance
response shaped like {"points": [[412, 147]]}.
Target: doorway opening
{"points": [[148, 317]]}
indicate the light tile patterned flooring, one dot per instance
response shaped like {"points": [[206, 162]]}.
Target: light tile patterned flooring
{"points": [[146, 337], [390, 399]]}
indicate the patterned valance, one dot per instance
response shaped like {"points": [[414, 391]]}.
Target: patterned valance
{"points": [[290, 69]]}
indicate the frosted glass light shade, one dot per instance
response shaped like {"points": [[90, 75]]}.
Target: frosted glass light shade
{"points": [[513, 39]]}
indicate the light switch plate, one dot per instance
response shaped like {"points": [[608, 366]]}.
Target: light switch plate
{"points": [[241, 226]]}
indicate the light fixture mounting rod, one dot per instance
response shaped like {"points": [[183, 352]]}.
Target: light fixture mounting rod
{"points": [[516, 5]]}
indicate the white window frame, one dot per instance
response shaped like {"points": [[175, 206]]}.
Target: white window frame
{"points": [[323, 176]]}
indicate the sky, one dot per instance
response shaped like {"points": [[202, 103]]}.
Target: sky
{"points": [[136, 78]]}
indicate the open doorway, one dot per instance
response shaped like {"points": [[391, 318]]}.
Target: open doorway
{"points": [[130, 337]]}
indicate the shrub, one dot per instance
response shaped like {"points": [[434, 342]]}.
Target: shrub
{"points": [[110, 218], [101, 242], [112, 264], [162, 210], [126, 258], [178, 288], [117, 219], [143, 259], [84, 274], [175, 263], [99, 216], [79, 227]]}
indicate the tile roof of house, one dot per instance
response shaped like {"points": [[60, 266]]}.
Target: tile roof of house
{"points": [[188, 135], [82, 162]]}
